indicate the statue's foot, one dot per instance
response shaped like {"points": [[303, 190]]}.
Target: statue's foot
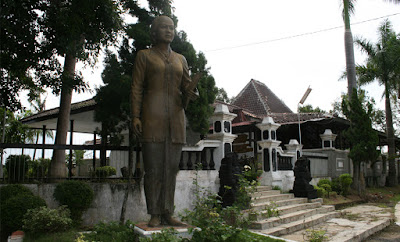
{"points": [[154, 221], [169, 220]]}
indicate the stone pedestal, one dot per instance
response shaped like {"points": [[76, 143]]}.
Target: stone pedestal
{"points": [[145, 231]]}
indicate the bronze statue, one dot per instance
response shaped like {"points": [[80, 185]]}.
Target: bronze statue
{"points": [[161, 84]]}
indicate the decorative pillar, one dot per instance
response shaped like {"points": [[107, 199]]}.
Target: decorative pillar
{"points": [[269, 143], [222, 131], [295, 148], [327, 139]]}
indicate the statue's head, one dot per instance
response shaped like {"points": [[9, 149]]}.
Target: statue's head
{"points": [[162, 30]]}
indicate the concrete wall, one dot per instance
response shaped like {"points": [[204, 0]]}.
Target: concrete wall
{"points": [[107, 203]]}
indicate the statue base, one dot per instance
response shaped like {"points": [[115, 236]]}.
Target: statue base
{"points": [[145, 231]]}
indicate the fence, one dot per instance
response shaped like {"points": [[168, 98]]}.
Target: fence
{"points": [[20, 164]]}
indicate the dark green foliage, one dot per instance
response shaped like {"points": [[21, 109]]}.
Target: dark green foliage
{"points": [[14, 209], [363, 139], [17, 167], [105, 171], [345, 183], [15, 131], [76, 195], [336, 186], [12, 190], [39, 168], [324, 181], [327, 188], [43, 220], [320, 191], [310, 109], [112, 231], [18, 49]]}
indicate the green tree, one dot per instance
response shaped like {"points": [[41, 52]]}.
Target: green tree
{"points": [[383, 65], [222, 96], [310, 109], [76, 30], [348, 9], [19, 49], [361, 136]]}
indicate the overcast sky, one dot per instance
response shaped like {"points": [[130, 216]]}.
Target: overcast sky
{"points": [[288, 45]]}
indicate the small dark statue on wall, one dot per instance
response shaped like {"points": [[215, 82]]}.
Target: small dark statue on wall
{"points": [[302, 187], [228, 175]]}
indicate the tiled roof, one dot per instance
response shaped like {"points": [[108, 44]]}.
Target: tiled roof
{"points": [[52, 113], [260, 100]]}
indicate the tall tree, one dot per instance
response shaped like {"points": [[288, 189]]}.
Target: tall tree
{"points": [[76, 30], [348, 9], [383, 65], [19, 49], [362, 138]]}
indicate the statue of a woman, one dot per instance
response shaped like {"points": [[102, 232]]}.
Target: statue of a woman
{"points": [[161, 83]]}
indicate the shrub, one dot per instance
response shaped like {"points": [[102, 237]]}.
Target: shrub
{"points": [[14, 209], [105, 171], [45, 220], [324, 181], [39, 168], [76, 195], [320, 191], [327, 188], [17, 167], [345, 182], [336, 185], [9, 191], [112, 231]]}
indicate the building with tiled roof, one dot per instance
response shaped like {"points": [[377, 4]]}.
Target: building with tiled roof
{"points": [[260, 100]]}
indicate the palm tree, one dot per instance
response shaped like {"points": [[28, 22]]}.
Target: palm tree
{"points": [[348, 9], [383, 65]]}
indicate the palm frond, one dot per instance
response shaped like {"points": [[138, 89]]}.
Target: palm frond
{"points": [[350, 9], [366, 46]]}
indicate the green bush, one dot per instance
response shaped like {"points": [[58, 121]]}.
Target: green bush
{"points": [[345, 183], [324, 181], [327, 188], [76, 195], [17, 167], [105, 171], [336, 186], [112, 231], [45, 220], [13, 210], [320, 191], [9, 191], [39, 168]]}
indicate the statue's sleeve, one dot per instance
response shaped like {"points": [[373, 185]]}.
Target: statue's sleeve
{"points": [[139, 70]]}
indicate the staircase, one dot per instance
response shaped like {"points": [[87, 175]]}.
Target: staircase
{"points": [[293, 213]]}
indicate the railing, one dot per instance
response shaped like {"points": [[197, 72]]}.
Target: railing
{"points": [[192, 159], [20, 164], [285, 162]]}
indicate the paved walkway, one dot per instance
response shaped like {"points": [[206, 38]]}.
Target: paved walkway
{"points": [[356, 224]]}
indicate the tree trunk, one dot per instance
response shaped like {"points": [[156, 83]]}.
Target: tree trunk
{"points": [[392, 177], [349, 50], [356, 176], [57, 166]]}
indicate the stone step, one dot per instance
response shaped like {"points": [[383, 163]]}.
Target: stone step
{"points": [[283, 210], [291, 217], [274, 198], [265, 193], [263, 188], [259, 206], [292, 227]]}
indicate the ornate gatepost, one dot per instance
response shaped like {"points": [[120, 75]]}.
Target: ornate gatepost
{"points": [[269, 143], [222, 131]]}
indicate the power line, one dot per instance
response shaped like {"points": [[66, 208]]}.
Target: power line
{"points": [[298, 35]]}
